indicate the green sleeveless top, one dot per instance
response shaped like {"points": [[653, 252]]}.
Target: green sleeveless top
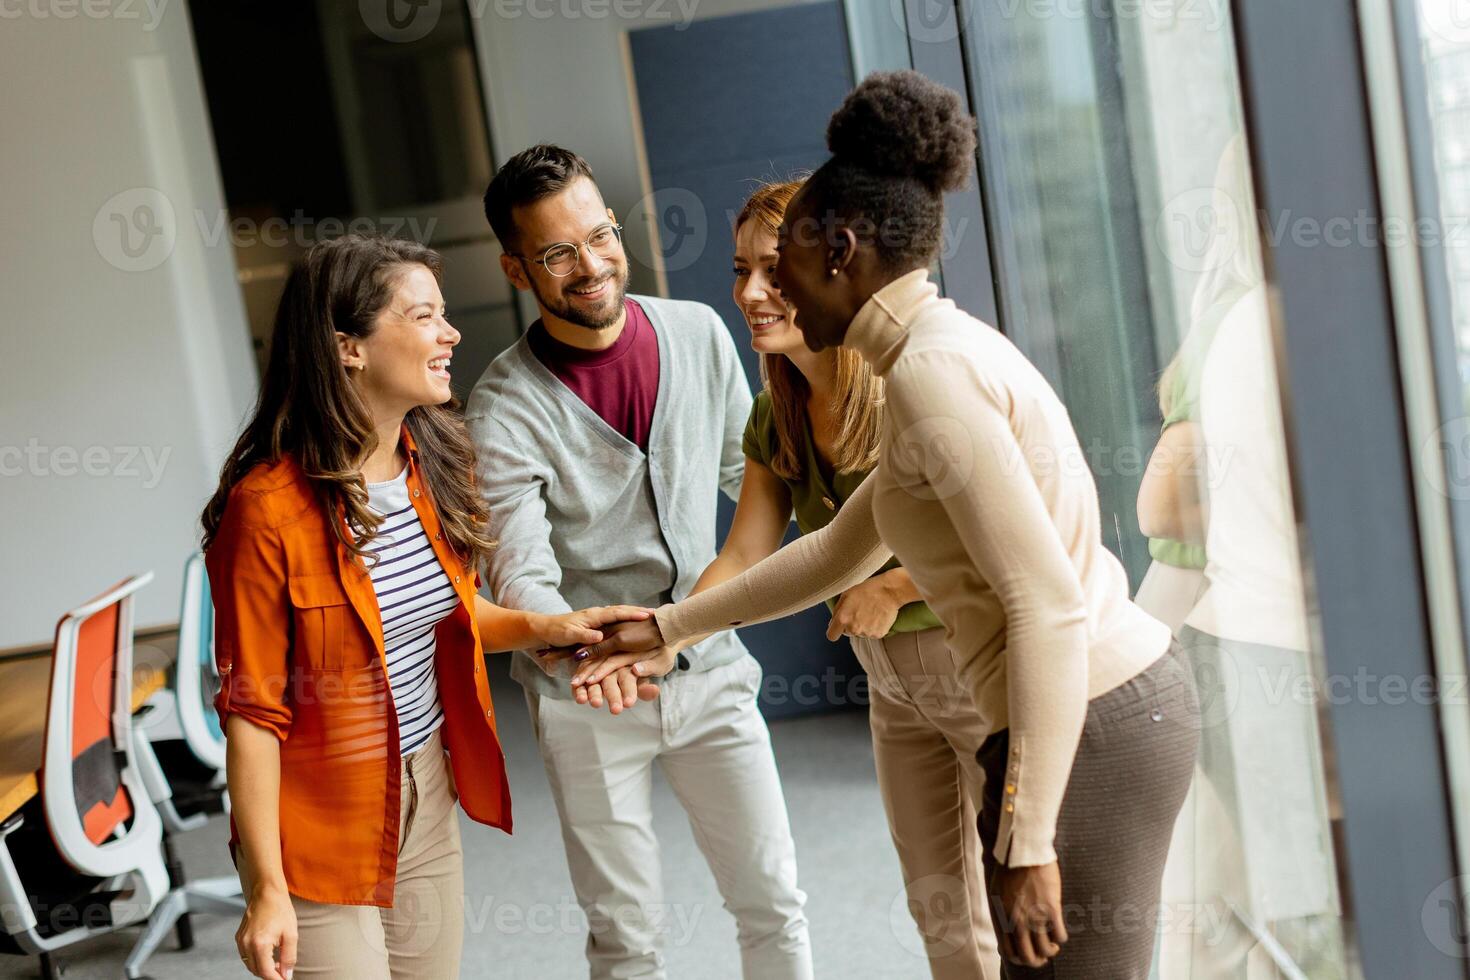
{"points": [[817, 496]]}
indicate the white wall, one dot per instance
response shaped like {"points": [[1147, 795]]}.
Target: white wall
{"points": [[123, 378]]}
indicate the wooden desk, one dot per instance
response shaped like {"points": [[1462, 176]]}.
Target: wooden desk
{"points": [[24, 691]]}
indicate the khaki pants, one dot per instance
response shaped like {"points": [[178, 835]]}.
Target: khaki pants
{"points": [[925, 735], [709, 739], [418, 938]]}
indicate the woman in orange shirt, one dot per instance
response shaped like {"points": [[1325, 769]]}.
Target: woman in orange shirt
{"points": [[342, 545]]}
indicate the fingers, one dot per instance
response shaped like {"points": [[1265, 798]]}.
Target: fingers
{"points": [[647, 691], [628, 684], [1025, 954], [623, 614], [834, 630], [262, 958], [288, 953], [594, 670], [612, 694], [594, 695], [617, 643], [1056, 927]]}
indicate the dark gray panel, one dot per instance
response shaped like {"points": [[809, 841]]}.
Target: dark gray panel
{"points": [[1312, 146]]}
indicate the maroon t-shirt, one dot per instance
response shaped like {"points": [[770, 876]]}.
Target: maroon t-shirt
{"points": [[620, 383]]}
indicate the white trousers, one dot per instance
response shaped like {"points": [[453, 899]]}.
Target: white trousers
{"points": [[707, 735]]}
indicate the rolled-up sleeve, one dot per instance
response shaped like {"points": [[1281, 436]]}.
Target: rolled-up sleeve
{"points": [[252, 616]]}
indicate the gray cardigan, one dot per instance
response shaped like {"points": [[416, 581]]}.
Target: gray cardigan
{"points": [[582, 516]]}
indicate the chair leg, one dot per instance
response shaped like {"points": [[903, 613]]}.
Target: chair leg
{"points": [[176, 881], [163, 919], [49, 970]]}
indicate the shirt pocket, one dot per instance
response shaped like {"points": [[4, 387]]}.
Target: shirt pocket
{"points": [[319, 620]]}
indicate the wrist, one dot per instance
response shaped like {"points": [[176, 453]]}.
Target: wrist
{"points": [[270, 891], [537, 625]]}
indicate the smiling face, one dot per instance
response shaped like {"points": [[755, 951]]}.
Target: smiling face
{"points": [[770, 319], [591, 295], [404, 362], [807, 249]]}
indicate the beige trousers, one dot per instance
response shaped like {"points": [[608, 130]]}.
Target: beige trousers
{"points": [[925, 735], [418, 938], [708, 738]]}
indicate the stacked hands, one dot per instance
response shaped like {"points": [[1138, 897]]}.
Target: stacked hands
{"points": [[615, 651], [615, 663]]}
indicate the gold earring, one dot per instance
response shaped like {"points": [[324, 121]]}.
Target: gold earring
{"points": [[832, 271]]}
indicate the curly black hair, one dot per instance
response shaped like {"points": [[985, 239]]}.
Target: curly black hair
{"points": [[899, 141]]}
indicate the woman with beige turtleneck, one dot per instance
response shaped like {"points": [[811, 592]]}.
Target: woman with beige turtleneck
{"points": [[984, 495]]}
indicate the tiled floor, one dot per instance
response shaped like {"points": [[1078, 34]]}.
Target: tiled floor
{"points": [[521, 917]]}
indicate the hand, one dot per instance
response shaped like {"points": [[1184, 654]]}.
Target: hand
{"points": [[580, 628], [269, 924], [606, 674], [595, 670], [638, 636], [619, 690], [1028, 921], [867, 609]]}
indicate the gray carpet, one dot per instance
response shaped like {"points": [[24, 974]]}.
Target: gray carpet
{"points": [[521, 916]]}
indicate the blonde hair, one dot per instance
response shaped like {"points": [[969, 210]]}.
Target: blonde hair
{"points": [[857, 404]]}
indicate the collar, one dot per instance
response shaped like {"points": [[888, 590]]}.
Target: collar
{"points": [[881, 325]]}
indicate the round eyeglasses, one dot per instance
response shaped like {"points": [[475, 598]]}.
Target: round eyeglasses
{"points": [[561, 259]]}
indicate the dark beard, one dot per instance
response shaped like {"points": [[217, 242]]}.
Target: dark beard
{"points": [[571, 314]]}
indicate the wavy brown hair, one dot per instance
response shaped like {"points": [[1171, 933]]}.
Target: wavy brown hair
{"points": [[310, 411], [858, 403]]}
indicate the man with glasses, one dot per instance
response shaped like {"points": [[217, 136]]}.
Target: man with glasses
{"points": [[602, 438]]}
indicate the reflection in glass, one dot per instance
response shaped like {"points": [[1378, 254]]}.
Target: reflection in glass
{"points": [[1129, 259]]}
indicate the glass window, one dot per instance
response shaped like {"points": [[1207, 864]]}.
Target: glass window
{"points": [[1119, 194], [1446, 45]]}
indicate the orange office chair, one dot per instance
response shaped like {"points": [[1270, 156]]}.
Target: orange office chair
{"points": [[103, 828]]}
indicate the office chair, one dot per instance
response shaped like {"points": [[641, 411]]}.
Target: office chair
{"points": [[101, 866]]}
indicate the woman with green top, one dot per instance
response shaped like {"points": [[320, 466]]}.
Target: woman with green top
{"points": [[813, 436], [1173, 506]]}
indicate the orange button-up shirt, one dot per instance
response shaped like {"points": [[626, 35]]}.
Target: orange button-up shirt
{"points": [[299, 643]]}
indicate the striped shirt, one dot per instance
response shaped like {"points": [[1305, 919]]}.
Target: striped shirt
{"points": [[414, 596]]}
